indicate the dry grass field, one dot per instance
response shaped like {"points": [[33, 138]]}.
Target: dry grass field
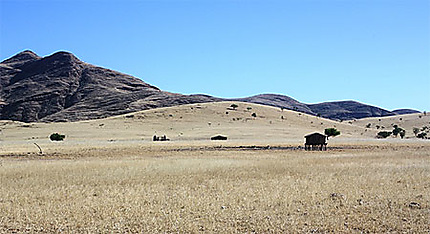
{"points": [[107, 176]]}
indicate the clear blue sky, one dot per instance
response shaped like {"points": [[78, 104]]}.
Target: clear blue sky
{"points": [[373, 51]]}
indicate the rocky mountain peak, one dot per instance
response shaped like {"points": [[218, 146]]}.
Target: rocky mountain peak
{"points": [[20, 59], [60, 87]]}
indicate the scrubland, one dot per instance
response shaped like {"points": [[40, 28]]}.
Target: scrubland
{"points": [[107, 176]]}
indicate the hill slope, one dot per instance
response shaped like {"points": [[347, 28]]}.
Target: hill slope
{"points": [[184, 124], [60, 87]]}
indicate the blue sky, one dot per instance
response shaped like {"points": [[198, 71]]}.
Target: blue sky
{"points": [[373, 51]]}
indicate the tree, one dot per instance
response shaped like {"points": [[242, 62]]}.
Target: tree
{"points": [[331, 132], [234, 106], [249, 108], [397, 131], [254, 115], [402, 133]]}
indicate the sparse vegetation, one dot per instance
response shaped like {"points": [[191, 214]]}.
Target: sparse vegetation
{"points": [[114, 179], [56, 137]]}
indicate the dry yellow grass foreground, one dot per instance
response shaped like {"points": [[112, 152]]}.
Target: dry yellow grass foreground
{"points": [[109, 177], [355, 190]]}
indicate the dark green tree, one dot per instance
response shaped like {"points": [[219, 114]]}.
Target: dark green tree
{"points": [[234, 106], [397, 131], [331, 132]]}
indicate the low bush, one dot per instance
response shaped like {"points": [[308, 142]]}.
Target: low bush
{"points": [[383, 134], [56, 137]]}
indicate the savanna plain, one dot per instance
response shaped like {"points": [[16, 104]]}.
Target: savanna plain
{"points": [[108, 176]]}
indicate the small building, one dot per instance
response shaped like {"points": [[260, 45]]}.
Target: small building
{"points": [[316, 141], [219, 138], [160, 138]]}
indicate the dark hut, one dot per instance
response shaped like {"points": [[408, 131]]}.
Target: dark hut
{"points": [[219, 138], [160, 138], [316, 141]]}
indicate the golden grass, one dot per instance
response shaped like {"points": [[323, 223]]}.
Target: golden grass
{"points": [[108, 176], [163, 190]]}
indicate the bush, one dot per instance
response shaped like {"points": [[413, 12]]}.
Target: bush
{"points": [[383, 134], [331, 132], [422, 135], [56, 137]]}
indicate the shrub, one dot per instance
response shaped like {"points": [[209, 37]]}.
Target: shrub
{"points": [[422, 135], [56, 137], [383, 134], [331, 132]]}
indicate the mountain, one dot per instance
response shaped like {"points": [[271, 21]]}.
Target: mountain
{"points": [[60, 87], [405, 111], [277, 100], [341, 110], [344, 110]]}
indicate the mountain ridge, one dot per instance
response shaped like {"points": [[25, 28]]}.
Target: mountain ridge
{"points": [[61, 87]]}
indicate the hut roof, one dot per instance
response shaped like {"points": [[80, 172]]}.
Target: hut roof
{"points": [[219, 137], [315, 133]]}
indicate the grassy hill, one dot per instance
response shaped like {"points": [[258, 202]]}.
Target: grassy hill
{"points": [[186, 124]]}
